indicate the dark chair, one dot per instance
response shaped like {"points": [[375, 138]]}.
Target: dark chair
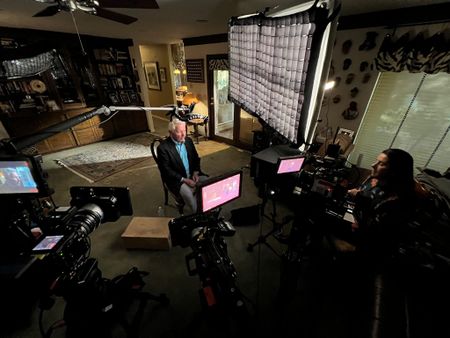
{"points": [[179, 202]]}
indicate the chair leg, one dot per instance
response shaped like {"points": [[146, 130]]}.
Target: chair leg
{"points": [[166, 196], [196, 131]]}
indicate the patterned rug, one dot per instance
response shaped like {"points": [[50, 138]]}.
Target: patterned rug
{"points": [[115, 156]]}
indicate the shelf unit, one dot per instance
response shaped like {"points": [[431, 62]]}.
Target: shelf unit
{"points": [[116, 76], [78, 82]]}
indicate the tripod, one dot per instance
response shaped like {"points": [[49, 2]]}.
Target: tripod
{"points": [[95, 304], [276, 226]]}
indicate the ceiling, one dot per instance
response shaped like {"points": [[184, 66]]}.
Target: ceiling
{"points": [[174, 20]]}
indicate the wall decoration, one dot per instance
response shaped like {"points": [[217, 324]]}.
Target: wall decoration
{"points": [[351, 112], [363, 66], [354, 91], [152, 75], [350, 78], [337, 81], [337, 99], [369, 43], [163, 74], [195, 70], [366, 78], [346, 46], [347, 64]]}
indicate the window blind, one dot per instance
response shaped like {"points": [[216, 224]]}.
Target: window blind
{"points": [[410, 111]]}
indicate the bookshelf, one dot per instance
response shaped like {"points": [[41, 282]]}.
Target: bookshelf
{"points": [[116, 76]]}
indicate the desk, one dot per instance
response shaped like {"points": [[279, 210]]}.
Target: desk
{"points": [[196, 123]]}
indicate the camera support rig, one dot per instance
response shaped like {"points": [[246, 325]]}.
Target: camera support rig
{"points": [[204, 234], [66, 267]]}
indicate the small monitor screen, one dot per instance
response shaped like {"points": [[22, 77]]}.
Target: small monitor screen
{"points": [[218, 191], [16, 178], [47, 244], [290, 164]]}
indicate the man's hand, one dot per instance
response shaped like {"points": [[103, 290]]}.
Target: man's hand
{"points": [[195, 176], [189, 182]]}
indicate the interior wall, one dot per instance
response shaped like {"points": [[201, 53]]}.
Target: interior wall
{"points": [[331, 112], [160, 54], [353, 78], [200, 52]]}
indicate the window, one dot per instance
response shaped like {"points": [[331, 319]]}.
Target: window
{"points": [[410, 111]]}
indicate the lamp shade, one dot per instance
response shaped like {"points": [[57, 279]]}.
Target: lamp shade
{"points": [[189, 98]]}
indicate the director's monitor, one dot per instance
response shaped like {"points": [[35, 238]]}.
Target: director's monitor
{"points": [[17, 176], [290, 164], [217, 191]]}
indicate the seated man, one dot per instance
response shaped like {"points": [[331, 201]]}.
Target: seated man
{"points": [[180, 164]]}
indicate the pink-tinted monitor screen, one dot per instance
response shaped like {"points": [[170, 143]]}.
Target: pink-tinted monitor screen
{"points": [[220, 191], [290, 165]]}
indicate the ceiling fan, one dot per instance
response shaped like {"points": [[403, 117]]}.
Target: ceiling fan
{"points": [[96, 7]]}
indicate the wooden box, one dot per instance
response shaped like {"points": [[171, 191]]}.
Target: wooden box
{"points": [[148, 233]]}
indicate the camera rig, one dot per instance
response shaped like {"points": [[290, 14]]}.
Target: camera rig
{"points": [[204, 234], [44, 249]]}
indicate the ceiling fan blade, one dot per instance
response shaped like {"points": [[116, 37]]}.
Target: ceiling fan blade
{"points": [[114, 16], [48, 11], [150, 4]]}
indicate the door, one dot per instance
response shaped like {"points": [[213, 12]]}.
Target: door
{"points": [[228, 123], [221, 110]]}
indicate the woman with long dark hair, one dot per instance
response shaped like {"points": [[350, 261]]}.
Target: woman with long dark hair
{"points": [[384, 203]]}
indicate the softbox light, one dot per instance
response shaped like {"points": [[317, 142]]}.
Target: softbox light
{"points": [[275, 63]]}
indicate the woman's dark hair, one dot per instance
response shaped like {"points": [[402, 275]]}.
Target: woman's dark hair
{"points": [[400, 176]]}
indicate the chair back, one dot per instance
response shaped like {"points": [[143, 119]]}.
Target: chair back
{"points": [[177, 197]]}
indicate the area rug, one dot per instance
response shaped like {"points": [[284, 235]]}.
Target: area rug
{"points": [[109, 157]]}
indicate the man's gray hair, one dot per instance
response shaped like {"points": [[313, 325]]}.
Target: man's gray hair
{"points": [[174, 123]]}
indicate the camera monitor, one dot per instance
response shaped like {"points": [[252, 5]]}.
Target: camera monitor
{"points": [[16, 177], [47, 244], [290, 164], [220, 190]]}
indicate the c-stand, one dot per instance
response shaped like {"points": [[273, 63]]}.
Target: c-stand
{"points": [[277, 227], [94, 305]]}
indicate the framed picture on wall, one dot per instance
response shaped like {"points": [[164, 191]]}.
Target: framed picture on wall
{"points": [[152, 75], [163, 74]]}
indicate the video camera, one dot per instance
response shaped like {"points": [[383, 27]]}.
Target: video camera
{"points": [[204, 233], [41, 243]]}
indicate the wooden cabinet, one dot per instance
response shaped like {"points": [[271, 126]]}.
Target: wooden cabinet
{"points": [[70, 84], [92, 130]]}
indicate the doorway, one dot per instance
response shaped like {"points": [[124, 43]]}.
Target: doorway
{"points": [[228, 123]]}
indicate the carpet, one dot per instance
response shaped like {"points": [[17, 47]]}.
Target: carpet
{"points": [[110, 157]]}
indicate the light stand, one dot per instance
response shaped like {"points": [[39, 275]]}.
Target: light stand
{"points": [[269, 164], [276, 226]]}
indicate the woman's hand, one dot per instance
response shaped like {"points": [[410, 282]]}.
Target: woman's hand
{"points": [[353, 192], [355, 226]]}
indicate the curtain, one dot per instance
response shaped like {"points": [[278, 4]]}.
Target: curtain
{"points": [[418, 54]]}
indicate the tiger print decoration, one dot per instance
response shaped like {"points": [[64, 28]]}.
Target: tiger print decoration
{"points": [[427, 55], [391, 56]]}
